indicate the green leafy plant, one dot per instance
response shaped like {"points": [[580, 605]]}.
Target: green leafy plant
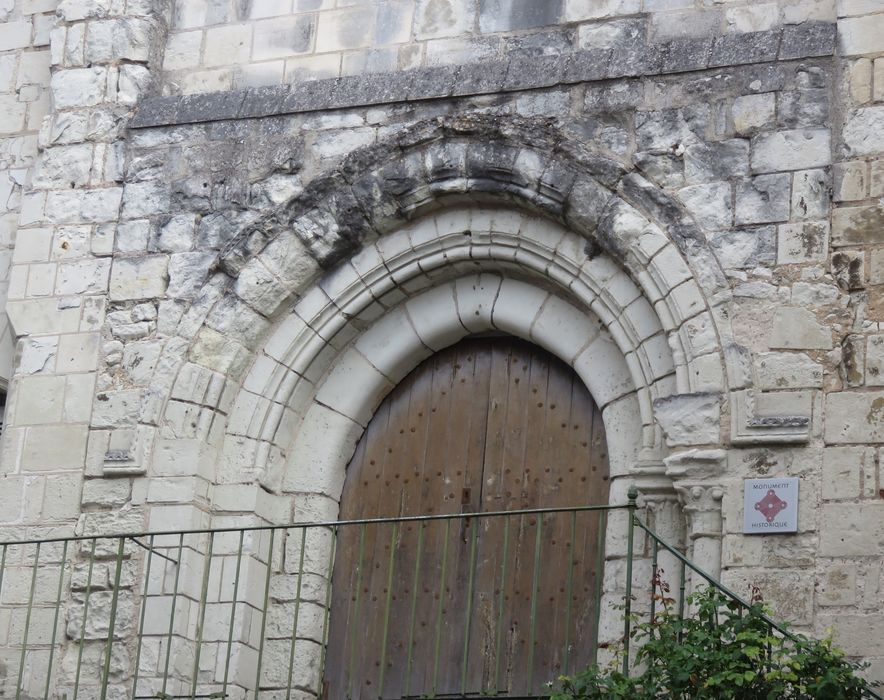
{"points": [[722, 650]]}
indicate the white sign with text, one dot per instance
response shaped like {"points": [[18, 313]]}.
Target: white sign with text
{"points": [[770, 506]]}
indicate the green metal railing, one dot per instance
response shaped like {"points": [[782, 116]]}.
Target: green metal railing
{"points": [[457, 605]]}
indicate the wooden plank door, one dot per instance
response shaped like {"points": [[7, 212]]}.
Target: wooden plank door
{"points": [[473, 605]]}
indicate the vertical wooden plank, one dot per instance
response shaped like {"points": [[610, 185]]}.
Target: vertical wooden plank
{"points": [[490, 424]]}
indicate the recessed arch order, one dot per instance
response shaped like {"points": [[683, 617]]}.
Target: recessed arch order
{"points": [[369, 321]]}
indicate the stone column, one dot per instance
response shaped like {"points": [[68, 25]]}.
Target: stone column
{"points": [[702, 507], [695, 475]]}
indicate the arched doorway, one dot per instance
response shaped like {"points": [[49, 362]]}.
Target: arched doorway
{"points": [[479, 605]]}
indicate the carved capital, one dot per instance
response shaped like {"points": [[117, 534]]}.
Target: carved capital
{"points": [[700, 498], [701, 503]]}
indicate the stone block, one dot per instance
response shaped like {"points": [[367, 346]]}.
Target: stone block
{"points": [[690, 24], [854, 417], [863, 131], [848, 269], [837, 585], [689, 419], [132, 236], [763, 199], [747, 248], [354, 387], [116, 408], [875, 360], [39, 399], [78, 352], [54, 447], [126, 39], [802, 243], [15, 35], [668, 128], [83, 277], [346, 28], [283, 37], [514, 15], [12, 114], [789, 593], [754, 18], [177, 234], [851, 529], [138, 278], [61, 497], [782, 370], [876, 266], [717, 160], [753, 113], [443, 18], [32, 245], [796, 149], [227, 45], [803, 108], [79, 87], [798, 329], [810, 194], [858, 225], [577, 10], [711, 204], [735, 49], [860, 35], [182, 50], [876, 184], [844, 469]]}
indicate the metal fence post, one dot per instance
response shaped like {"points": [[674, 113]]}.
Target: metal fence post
{"points": [[632, 496]]}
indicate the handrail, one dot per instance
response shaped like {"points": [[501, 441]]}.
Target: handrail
{"points": [[317, 524], [142, 594], [255, 605]]}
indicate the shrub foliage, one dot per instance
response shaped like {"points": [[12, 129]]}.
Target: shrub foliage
{"points": [[722, 650]]}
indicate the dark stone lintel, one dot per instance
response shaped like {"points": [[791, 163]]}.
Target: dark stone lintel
{"points": [[807, 40]]}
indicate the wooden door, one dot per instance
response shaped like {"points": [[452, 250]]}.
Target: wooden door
{"points": [[472, 605]]}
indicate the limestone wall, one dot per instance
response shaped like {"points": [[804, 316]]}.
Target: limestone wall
{"points": [[216, 45], [201, 283], [24, 101]]}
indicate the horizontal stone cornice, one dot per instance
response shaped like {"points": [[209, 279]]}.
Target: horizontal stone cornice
{"points": [[512, 74]]}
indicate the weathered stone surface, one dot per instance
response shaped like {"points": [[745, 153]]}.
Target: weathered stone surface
{"points": [[798, 328], [854, 417], [719, 160], [875, 360], [787, 370], [711, 204], [138, 278], [810, 194], [857, 225], [762, 199], [864, 131], [802, 243], [667, 129], [752, 113], [790, 150], [848, 269], [747, 248], [689, 419]]}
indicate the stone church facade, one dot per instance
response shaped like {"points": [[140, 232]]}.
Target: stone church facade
{"points": [[231, 228]]}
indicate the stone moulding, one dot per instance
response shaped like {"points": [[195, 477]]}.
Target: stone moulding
{"points": [[782, 417], [511, 74], [511, 162]]}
